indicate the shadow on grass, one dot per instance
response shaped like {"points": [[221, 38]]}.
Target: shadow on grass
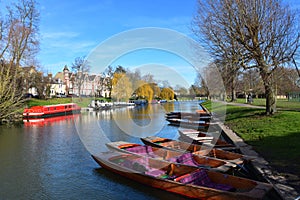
{"points": [[241, 112], [283, 153]]}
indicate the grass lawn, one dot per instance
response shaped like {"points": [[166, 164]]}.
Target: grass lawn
{"points": [[43, 102], [281, 103], [83, 102], [276, 138]]}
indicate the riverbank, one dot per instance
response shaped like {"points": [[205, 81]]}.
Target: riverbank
{"points": [[82, 102], [18, 117], [276, 138]]}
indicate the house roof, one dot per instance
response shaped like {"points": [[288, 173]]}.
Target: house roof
{"points": [[30, 69], [59, 75], [66, 68], [92, 77]]}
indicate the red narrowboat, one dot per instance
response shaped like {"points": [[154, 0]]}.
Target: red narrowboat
{"points": [[51, 110], [49, 120]]}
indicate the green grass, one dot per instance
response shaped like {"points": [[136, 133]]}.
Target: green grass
{"points": [[281, 103], [82, 102], [275, 137], [43, 102]]}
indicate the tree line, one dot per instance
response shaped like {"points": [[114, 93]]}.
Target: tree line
{"points": [[249, 82], [258, 35], [124, 84]]}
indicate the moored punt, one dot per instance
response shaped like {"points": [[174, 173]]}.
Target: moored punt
{"points": [[198, 137], [51, 110], [190, 116], [195, 149], [198, 124], [185, 158], [184, 180]]}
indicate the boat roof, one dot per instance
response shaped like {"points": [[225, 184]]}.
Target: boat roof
{"points": [[65, 104]]}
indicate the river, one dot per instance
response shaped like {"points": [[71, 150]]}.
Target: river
{"points": [[52, 159]]}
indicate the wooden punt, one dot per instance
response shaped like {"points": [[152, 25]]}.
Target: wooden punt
{"points": [[186, 123], [202, 150], [199, 137], [185, 158], [199, 113], [181, 179], [190, 116]]}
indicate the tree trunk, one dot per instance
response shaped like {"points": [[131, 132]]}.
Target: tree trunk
{"points": [[270, 100], [269, 92], [233, 92]]}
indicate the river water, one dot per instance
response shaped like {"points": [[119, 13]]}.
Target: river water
{"points": [[52, 159]]}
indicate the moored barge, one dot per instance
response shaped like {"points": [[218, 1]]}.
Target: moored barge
{"points": [[51, 110]]}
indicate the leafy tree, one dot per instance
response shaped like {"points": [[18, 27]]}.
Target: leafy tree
{"points": [[122, 87], [167, 93], [144, 91], [135, 78], [155, 89]]}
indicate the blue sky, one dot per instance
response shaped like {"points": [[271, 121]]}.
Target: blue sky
{"points": [[70, 29], [74, 28]]}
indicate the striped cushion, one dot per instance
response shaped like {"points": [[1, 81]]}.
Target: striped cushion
{"points": [[142, 150], [187, 159], [201, 178], [155, 172]]}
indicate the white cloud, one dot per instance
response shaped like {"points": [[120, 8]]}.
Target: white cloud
{"points": [[59, 35], [65, 42]]}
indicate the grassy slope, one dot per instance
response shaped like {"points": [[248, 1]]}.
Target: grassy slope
{"points": [[40, 102], [275, 137], [83, 102]]}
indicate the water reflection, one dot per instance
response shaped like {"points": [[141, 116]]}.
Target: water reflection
{"points": [[48, 160], [95, 129], [49, 121]]}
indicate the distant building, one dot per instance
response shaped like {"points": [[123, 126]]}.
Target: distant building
{"points": [[27, 74], [66, 83], [58, 85]]}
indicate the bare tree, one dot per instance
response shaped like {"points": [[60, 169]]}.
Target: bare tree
{"points": [[81, 68], [199, 88], [251, 82], [108, 74], [265, 31], [211, 84], [18, 46], [225, 50]]}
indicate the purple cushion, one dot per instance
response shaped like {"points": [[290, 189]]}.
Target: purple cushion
{"points": [[155, 172], [201, 178], [187, 159], [142, 150], [173, 160], [220, 186]]}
